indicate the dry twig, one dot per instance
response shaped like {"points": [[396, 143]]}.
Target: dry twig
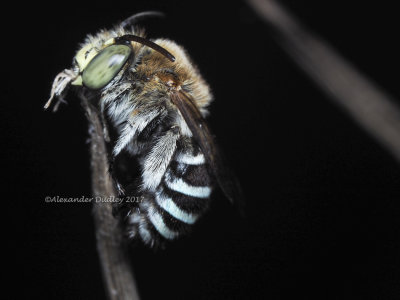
{"points": [[372, 108], [111, 246]]}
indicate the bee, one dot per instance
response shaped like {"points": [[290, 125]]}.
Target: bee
{"points": [[153, 100]]}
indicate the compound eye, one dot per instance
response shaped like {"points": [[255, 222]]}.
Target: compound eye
{"points": [[105, 66]]}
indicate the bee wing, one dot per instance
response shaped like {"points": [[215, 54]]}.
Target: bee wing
{"points": [[197, 125]]}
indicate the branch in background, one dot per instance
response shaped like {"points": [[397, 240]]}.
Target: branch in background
{"points": [[115, 263], [364, 101]]}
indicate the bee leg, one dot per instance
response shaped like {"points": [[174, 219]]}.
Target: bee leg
{"points": [[119, 209], [157, 161], [103, 120], [146, 218], [105, 127], [111, 170], [60, 100], [138, 122], [59, 87]]}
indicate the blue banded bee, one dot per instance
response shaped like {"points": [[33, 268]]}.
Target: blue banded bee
{"points": [[153, 101]]}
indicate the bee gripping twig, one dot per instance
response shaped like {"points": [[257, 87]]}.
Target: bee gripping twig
{"points": [[111, 246]]}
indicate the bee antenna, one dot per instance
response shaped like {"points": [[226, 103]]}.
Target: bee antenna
{"points": [[148, 43], [132, 20]]}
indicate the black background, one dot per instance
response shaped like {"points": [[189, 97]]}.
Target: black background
{"points": [[322, 196]]}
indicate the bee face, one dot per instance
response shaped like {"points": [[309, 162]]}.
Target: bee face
{"points": [[100, 60], [155, 100], [89, 50], [105, 66]]}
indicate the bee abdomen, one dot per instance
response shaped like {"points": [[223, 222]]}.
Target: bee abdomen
{"points": [[177, 203]]}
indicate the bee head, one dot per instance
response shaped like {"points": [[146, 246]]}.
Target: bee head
{"points": [[98, 68]]}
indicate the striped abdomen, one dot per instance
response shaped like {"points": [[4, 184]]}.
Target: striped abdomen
{"points": [[180, 198]]}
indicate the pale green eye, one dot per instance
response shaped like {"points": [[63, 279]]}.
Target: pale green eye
{"points": [[105, 66]]}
